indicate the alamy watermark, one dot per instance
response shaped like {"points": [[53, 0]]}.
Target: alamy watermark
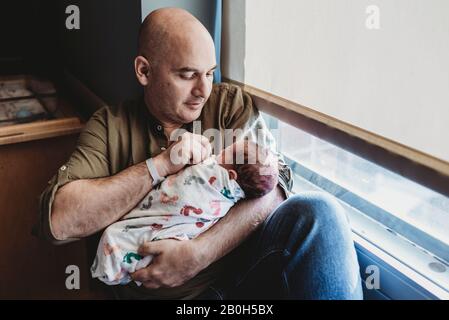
{"points": [[72, 282], [73, 19], [372, 281], [221, 140], [372, 21]]}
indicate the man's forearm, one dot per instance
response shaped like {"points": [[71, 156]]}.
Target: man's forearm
{"points": [[237, 225], [83, 207]]}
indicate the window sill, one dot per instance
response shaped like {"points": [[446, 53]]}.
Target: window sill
{"points": [[406, 271]]}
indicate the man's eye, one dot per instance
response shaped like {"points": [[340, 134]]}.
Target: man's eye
{"points": [[210, 74], [187, 75]]}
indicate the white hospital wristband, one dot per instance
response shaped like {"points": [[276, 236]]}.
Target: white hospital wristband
{"points": [[153, 172]]}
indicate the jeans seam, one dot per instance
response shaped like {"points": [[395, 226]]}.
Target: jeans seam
{"points": [[284, 275], [256, 263], [220, 296]]}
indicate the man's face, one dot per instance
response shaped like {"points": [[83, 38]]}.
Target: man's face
{"points": [[181, 81]]}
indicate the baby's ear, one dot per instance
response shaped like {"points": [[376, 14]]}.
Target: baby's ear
{"points": [[232, 174]]}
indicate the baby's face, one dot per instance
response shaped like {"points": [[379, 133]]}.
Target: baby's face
{"points": [[226, 157], [222, 161], [229, 168]]}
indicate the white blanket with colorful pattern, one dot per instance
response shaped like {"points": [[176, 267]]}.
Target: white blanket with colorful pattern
{"points": [[181, 207]]}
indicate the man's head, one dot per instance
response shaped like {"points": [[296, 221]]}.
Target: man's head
{"points": [[175, 65]]}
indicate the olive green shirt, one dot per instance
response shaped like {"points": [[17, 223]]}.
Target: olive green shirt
{"points": [[118, 137]]}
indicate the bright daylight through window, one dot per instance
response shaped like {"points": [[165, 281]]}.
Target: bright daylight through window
{"points": [[400, 201]]}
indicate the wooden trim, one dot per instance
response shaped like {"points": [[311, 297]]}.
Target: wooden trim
{"points": [[39, 130], [67, 122], [411, 163]]}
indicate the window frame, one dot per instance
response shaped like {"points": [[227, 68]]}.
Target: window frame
{"points": [[406, 267], [405, 161]]}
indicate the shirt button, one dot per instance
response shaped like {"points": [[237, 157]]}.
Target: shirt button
{"points": [[63, 168], [159, 128]]}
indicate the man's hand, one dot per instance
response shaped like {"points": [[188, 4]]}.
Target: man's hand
{"points": [[189, 149], [173, 264], [176, 261]]}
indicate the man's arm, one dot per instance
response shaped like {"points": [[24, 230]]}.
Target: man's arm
{"points": [[168, 269], [242, 220], [85, 206]]}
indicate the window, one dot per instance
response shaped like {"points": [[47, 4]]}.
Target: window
{"points": [[404, 208], [380, 93], [391, 81]]}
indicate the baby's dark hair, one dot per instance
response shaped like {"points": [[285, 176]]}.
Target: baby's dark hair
{"points": [[258, 174]]}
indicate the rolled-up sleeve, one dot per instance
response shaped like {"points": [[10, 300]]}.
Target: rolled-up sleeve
{"points": [[241, 113], [89, 160]]}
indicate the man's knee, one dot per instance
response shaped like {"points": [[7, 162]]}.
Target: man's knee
{"points": [[314, 209]]}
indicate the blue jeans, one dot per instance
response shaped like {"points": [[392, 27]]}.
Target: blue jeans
{"points": [[304, 250]]}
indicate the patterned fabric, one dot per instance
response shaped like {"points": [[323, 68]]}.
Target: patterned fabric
{"points": [[117, 137], [184, 205]]}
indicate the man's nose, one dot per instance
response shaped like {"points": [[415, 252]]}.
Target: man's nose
{"points": [[201, 87]]}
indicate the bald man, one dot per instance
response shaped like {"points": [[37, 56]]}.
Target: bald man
{"points": [[124, 151]]}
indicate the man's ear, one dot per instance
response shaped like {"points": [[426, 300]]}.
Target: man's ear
{"points": [[142, 70], [232, 174]]}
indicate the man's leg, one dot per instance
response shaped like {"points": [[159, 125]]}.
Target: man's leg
{"points": [[304, 250]]}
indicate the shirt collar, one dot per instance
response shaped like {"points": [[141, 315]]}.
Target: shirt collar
{"points": [[154, 125]]}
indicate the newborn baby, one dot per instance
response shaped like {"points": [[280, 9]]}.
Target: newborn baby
{"points": [[183, 206]]}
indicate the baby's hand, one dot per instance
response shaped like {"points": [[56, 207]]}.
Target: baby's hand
{"points": [[211, 160]]}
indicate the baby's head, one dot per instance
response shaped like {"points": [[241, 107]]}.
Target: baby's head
{"points": [[255, 168]]}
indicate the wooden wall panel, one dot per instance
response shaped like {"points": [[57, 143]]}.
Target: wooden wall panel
{"points": [[31, 268]]}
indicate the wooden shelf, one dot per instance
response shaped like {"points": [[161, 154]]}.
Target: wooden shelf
{"points": [[39, 130], [65, 119], [30, 154]]}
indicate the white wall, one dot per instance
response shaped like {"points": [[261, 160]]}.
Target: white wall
{"points": [[393, 81], [233, 40]]}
